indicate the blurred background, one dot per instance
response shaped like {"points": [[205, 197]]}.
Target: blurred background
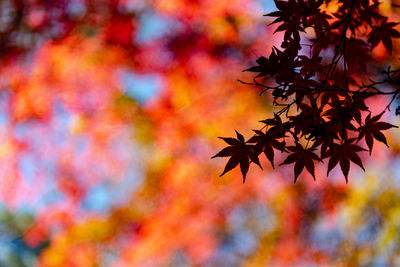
{"points": [[109, 114]]}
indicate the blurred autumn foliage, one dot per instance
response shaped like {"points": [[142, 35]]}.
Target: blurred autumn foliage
{"points": [[109, 112]]}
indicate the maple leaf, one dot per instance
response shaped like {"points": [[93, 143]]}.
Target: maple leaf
{"points": [[323, 135], [302, 158], [291, 29], [268, 141], [273, 122], [263, 67], [341, 115], [241, 154], [383, 34], [372, 129], [323, 40], [307, 120], [357, 55], [266, 65], [343, 154], [289, 14], [286, 11], [370, 12], [309, 65], [311, 14], [331, 96]]}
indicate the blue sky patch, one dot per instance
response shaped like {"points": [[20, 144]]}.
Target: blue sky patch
{"points": [[141, 87]]}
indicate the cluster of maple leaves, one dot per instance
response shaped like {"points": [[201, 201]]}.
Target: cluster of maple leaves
{"points": [[318, 80]]}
